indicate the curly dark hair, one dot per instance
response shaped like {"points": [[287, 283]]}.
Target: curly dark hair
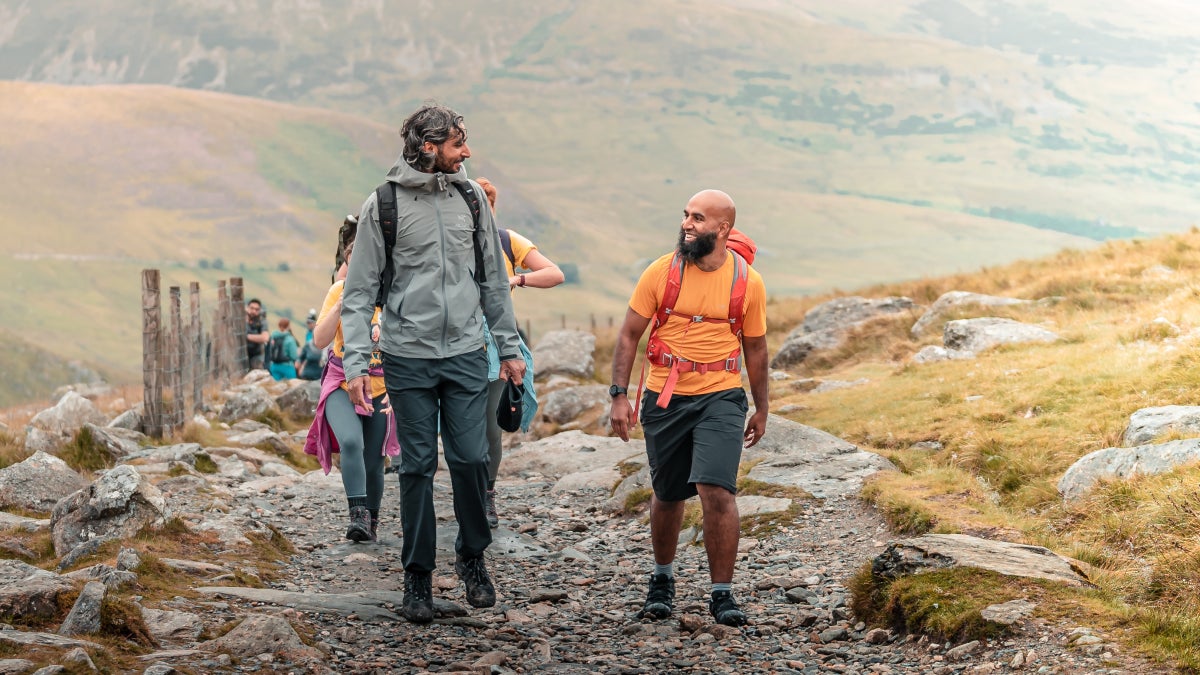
{"points": [[433, 124], [346, 234]]}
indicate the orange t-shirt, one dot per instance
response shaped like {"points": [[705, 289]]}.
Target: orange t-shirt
{"points": [[701, 294]]}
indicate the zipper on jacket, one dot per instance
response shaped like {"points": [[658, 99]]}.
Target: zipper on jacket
{"points": [[444, 347]]}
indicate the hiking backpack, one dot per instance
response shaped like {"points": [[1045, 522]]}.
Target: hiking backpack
{"points": [[659, 354], [275, 351], [385, 197]]}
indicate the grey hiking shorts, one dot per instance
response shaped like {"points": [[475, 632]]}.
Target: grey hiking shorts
{"points": [[695, 439]]}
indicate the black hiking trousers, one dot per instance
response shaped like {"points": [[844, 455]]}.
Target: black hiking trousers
{"points": [[449, 393]]}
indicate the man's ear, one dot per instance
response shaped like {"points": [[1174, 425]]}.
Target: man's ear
{"points": [[429, 147]]}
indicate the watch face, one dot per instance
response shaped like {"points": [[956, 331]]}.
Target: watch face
{"points": [[615, 390]]}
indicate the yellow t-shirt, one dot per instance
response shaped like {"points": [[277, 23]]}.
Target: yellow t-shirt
{"points": [[701, 294], [339, 343], [521, 248]]}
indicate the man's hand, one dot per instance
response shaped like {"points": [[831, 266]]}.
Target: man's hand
{"points": [[620, 417], [756, 427], [360, 394], [513, 370]]}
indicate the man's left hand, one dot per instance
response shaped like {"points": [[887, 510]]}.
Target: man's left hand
{"points": [[756, 427], [513, 370]]}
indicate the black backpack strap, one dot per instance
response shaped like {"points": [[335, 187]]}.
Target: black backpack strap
{"points": [[385, 200], [472, 198], [506, 244]]}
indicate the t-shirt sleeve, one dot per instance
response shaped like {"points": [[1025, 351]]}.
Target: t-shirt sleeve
{"points": [[754, 319], [331, 298], [646, 294], [521, 247]]}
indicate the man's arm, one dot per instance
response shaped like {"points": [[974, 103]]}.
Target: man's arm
{"points": [[261, 338], [620, 415], [755, 351], [358, 298]]}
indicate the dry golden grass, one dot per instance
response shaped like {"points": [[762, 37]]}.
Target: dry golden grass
{"points": [[1013, 420]]}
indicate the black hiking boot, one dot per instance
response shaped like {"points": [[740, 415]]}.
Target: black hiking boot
{"points": [[660, 598], [489, 500], [480, 591], [360, 524], [725, 611], [374, 527], [418, 597]]}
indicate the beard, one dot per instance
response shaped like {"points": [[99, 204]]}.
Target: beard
{"points": [[699, 247], [442, 164]]}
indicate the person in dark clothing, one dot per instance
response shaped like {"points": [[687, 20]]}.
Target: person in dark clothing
{"points": [[257, 335]]}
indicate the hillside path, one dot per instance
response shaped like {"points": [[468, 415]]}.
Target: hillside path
{"points": [[570, 577]]}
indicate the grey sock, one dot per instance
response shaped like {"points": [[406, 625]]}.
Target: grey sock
{"points": [[722, 587], [668, 569]]}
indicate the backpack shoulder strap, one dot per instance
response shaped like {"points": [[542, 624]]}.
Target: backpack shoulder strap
{"points": [[737, 293], [385, 201], [467, 190], [506, 244], [671, 293]]}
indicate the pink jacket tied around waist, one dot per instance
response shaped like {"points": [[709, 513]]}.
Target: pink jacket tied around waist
{"points": [[321, 442]]}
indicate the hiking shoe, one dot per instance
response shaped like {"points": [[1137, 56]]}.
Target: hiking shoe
{"points": [[489, 500], [374, 528], [418, 597], [660, 598], [480, 591], [725, 611], [360, 524]]}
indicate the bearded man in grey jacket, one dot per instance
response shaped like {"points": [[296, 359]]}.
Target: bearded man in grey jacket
{"points": [[432, 345]]}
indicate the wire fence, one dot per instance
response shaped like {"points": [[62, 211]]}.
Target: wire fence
{"points": [[185, 349]]}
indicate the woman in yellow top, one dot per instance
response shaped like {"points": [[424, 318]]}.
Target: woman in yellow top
{"points": [[363, 437]]}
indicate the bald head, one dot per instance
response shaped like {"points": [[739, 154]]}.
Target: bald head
{"points": [[715, 204], [707, 220]]}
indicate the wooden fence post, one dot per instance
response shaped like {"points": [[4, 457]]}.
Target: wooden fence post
{"points": [[237, 320], [195, 350], [224, 368], [176, 348], [151, 357]]}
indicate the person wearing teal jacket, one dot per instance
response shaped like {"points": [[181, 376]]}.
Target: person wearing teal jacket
{"points": [[282, 351]]}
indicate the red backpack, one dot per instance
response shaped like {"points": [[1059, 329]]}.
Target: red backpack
{"points": [[657, 351]]}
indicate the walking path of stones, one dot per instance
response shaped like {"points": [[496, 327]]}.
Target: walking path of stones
{"points": [[571, 576]]}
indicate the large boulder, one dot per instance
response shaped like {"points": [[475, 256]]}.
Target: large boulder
{"points": [[571, 452], [117, 442], [943, 551], [1148, 423], [30, 592], [1112, 463], [262, 634], [118, 504], [300, 401], [247, 401], [565, 405], [60, 423], [977, 335], [955, 300], [565, 352], [826, 325], [38, 483], [821, 464]]}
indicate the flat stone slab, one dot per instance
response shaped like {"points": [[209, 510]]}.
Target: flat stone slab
{"points": [[1147, 423], [943, 551], [1125, 463], [819, 463], [368, 605], [569, 452], [32, 639]]}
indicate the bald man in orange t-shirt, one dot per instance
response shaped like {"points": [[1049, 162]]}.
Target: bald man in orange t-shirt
{"points": [[694, 434]]}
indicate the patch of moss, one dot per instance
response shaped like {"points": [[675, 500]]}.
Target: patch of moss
{"points": [[205, 464], [635, 499], [750, 486], [85, 453], [943, 604], [627, 468]]}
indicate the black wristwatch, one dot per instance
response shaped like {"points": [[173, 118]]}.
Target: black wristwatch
{"points": [[615, 391]]}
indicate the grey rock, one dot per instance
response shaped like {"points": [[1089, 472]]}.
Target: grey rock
{"points": [[128, 559], [941, 551], [756, 505], [68, 416], [116, 441], [569, 452], [82, 550], [1148, 423], [823, 465], [38, 482], [15, 666], [160, 669], [300, 400], [130, 419], [249, 401], [20, 638], [1122, 463], [1008, 613], [172, 626], [826, 325], [977, 335], [50, 670], [261, 634], [29, 591], [569, 403], [118, 504], [565, 352], [84, 618], [179, 452], [957, 300], [963, 651], [113, 579], [934, 354]]}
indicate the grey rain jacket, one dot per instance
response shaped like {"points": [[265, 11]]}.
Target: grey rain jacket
{"points": [[434, 305]]}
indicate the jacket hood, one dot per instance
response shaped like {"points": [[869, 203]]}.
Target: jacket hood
{"points": [[402, 173]]}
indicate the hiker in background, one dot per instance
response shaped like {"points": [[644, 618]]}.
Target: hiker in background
{"points": [[438, 272], [519, 253], [346, 234], [362, 435], [708, 307], [282, 351], [257, 335], [308, 363]]}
